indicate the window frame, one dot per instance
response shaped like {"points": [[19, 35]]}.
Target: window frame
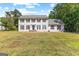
{"points": [[58, 27], [27, 27], [44, 20], [44, 27], [38, 27], [27, 20], [38, 20], [21, 27], [21, 20], [32, 20], [52, 27]]}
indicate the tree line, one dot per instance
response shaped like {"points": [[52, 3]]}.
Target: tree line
{"points": [[69, 14], [10, 22]]}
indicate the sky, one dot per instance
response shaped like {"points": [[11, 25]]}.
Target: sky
{"points": [[27, 8]]}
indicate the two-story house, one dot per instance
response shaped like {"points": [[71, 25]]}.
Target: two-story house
{"points": [[39, 23]]}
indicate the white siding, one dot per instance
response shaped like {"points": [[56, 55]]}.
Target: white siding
{"points": [[48, 28], [33, 23], [55, 29]]}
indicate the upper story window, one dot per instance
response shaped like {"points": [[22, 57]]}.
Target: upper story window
{"points": [[22, 20], [38, 20], [27, 20], [44, 20], [33, 20]]}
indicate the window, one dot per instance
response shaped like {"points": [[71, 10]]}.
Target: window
{"points": [[33, 20], [44, 20], [27, 26], [22, 27], [38, 20], [44, 27], [52, 26], [27, 20], [58, 27], [38, 26], [22, 20]]}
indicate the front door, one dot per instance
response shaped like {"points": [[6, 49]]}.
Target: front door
{"points": [[33, 27]]}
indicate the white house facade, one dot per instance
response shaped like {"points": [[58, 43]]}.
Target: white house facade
{"points": [[39, 23]]}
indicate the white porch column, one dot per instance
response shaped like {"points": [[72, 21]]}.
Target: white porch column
{"points": [[35, 24], [19, 24], [30, 24], [62, 28], [30, 27], [55, 27], [41, 24], [24, 24]]}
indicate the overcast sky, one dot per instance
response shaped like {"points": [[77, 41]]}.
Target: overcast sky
{"points": [[27, 8]]}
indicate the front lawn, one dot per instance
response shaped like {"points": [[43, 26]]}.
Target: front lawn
{"points": [[41, 44]]}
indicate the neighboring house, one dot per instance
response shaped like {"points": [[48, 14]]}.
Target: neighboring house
{"points": [[39, 23], [1, 27]]}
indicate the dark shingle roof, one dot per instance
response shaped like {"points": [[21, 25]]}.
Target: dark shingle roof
{"points": [[50, 21], [55, 21], [33, 16]]}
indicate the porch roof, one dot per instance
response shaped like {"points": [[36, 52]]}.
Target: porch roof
{"points": [[55, 22]]}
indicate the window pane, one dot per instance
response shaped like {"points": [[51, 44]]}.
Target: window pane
{"points": [[27, 26], [38, 26], [38, 20], [44, 20], [27, 20], [52, 26], [21, 20], [22, 27], [58, 27], [33, 20], [44, 27]]}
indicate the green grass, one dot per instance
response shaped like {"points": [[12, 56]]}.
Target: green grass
{"points": [[39, 44]]}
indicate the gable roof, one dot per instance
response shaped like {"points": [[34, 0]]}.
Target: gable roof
{"points": [[55, 22], [33, 16]]}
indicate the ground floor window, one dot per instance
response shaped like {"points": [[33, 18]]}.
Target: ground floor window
{"points": [[44, 27], [52, 26], [22, 27], [58, 27], [38, 27], [27, 27]]}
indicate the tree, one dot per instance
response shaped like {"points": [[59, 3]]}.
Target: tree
{"points": [[16, 14], [69, 14], [8, 14], [6, 22], [11, 20]]}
